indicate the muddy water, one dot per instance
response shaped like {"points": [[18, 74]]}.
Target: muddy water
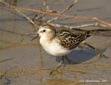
{"points": [[24, 62]]}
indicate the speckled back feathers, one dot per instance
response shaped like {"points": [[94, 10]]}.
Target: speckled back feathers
{"points": [[71, 40]]}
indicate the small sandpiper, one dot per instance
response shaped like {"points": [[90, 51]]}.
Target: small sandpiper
{"points": [[59, 42]]}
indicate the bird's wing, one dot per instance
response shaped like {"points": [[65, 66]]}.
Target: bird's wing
{"points": [[70, 40]]}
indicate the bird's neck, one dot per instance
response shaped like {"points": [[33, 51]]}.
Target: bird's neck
{"points": [[47, 38]]}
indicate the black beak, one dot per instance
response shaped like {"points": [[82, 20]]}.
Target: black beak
{"points": [[34, 37]]}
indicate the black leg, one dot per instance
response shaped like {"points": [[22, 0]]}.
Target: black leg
{"points": [[61, 63], [58, 66]]}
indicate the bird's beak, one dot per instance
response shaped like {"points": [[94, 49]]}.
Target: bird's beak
{"points": [[35, 37]]}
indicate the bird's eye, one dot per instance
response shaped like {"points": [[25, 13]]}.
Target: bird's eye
{"points": [[44, 30]]}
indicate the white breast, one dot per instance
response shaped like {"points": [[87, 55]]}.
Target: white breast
{"points": [[54, 48]]}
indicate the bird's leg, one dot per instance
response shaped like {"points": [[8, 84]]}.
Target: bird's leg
{"points": [[95, 49], [70, 61], [61, 63], [58, 66]]}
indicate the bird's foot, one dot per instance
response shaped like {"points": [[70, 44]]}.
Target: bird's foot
{"points": [[57, 69], [54, 72], [103, 55]]}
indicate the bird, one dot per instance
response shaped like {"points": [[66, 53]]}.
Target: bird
{"points": [[60, 42]]}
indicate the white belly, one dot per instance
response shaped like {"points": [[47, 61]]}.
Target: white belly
{"points": [[54, 49]]}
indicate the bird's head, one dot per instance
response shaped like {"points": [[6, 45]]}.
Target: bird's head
{"points": [[46, 31]]}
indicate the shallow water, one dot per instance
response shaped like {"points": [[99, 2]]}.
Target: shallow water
{"points": [[24, 62]]}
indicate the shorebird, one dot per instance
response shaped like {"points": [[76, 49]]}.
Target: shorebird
{"points": [[59, 42], [62, 41]]}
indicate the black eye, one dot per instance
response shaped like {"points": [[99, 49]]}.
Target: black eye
{"points": [[44, 30]]}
